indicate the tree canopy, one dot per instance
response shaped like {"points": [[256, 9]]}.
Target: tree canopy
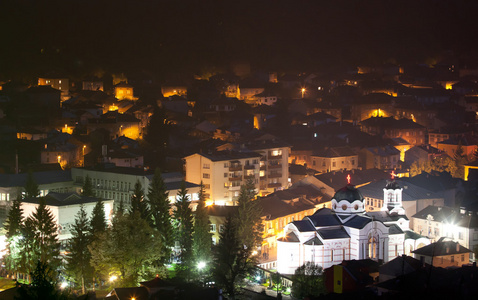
{"points": [[202, 237]]}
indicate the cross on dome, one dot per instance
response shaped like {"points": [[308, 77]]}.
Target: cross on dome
{"points": [[393, 175], [348, 179]]}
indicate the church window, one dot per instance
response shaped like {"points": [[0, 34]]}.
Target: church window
{"points": [[344, 207], [396, 250], [356, 207], [331, 255], [390, 197], [343, 254]]}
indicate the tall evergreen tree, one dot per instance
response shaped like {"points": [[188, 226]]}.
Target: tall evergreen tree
{"points": [[129, 248], [41, 226], [31, 187], [79, 257], [98, 219], [138, 203], [160, 210], [202, 237], [183, 216], [460, 160], [88, 187], [231, 262], [248, 221], [13, 233]]}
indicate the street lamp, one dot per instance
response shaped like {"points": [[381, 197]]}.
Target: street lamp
{"points": [[303, 92], [201, 265]]}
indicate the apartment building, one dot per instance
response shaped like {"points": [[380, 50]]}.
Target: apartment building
{"points": [[223, 173]]}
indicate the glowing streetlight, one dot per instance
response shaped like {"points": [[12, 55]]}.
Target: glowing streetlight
{"points": [[113, 278], [303, 92], [64, 284], [201, 265]]}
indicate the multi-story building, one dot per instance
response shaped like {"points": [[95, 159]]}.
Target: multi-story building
{"points": [[64, 208], [460, 225], [222, 173], [410, 131], [384, 158], [334, 159], [117, 183]]}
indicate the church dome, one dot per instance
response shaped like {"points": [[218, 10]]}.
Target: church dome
{"points": [[349, 193]]}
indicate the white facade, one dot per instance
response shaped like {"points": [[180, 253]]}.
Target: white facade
{"points": [[347, 232], [64, 215]]}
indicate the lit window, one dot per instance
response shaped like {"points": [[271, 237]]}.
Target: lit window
{"points": [[212, 227], [205, 175]]}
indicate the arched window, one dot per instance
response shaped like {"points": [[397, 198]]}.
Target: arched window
{"points": [[373, 246]]}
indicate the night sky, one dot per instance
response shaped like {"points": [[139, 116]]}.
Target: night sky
{"points": [[77, 37]]}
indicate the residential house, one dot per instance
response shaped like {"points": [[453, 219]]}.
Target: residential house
{"points": [[410, 131], [423, 154], [384, 158], [61, 83], [399, 266], [92, 85], [217, 218], [468, 144], [334, 159], [460, 225], [443, 253], [124, 91], [351, 275]]}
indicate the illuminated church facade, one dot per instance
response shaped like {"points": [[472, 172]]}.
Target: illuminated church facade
{"points": [[347, 232]]}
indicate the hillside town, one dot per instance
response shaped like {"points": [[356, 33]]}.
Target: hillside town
{"points": [[185, 155]]}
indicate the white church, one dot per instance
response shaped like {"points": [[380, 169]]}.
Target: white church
{"points": [[348, 232]]}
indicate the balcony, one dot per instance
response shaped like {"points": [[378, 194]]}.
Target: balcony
{"points": [[234, 188], [263, 167], [275, 157], [278, 166], [235, 168], [249, 167], [236, 178], [275, 175], [249, 176], [274, 185]]}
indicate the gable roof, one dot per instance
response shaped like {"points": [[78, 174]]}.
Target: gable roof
{"points": [[441, 248], [62, 199], [333, 233]]}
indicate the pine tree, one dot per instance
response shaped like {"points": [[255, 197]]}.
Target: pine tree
{"points": [[231, 262], [460, 159], [44, 284], [160, 210], [88, 187], [129, 248], [13, 228], [98, 219], [31, 187], [202, 237], [138, 203], [44, 231], [184, 224], [78, 257], [248, 221]]}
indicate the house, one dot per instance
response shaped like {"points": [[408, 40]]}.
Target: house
{"points": [[124, 91], [443, 253], [334, 159], [384, 158], [92, 85], [423, 154], [468, 144], [64, 208], [459, 225], [412, 132], [346, 232], [44, 96], [59, 83], [217, 218]]}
